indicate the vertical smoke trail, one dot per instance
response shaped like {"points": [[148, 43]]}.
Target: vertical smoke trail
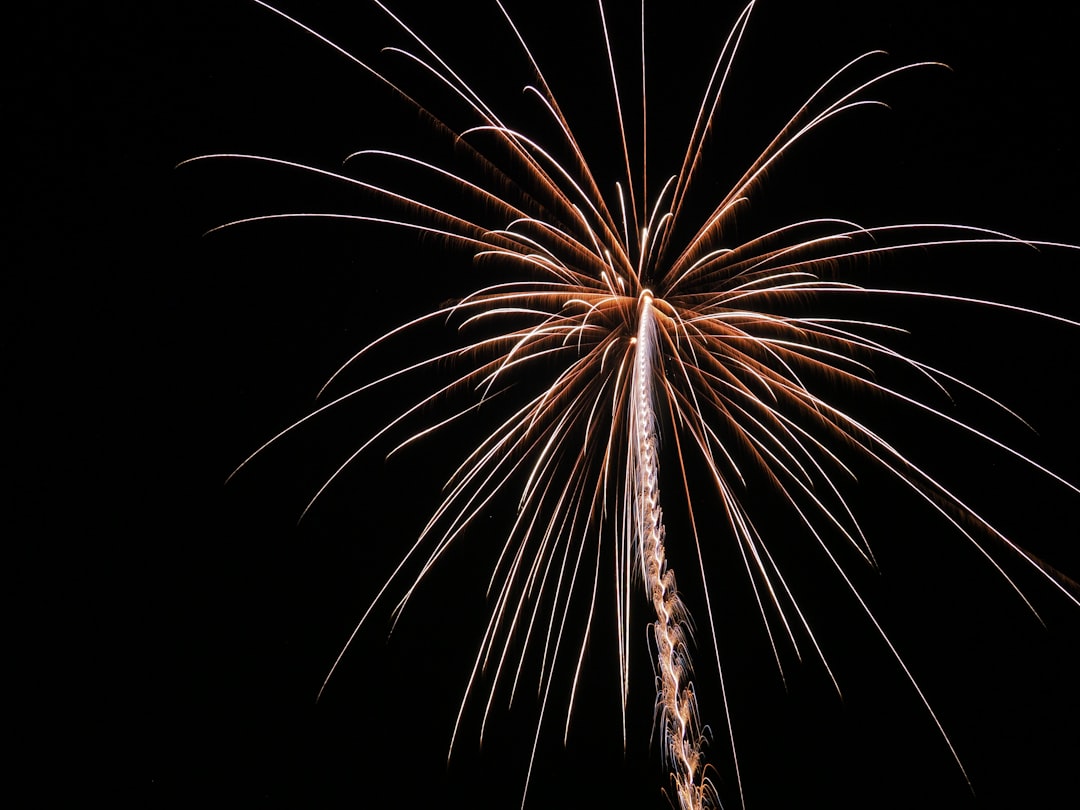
{"points": [[675, 694]]}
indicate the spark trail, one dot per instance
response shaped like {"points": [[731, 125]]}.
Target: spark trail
{"points": [[676, 703]]}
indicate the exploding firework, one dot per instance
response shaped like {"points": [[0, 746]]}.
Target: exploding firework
{"points": [[644, 342]]}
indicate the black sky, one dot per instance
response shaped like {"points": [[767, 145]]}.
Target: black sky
{"points": [[176, 630]]}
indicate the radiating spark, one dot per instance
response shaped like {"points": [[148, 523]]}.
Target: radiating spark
{"points": [[615, 323]]}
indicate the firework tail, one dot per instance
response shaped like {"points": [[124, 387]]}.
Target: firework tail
{"points": [[681, 730]]}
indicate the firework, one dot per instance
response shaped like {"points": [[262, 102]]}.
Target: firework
{"points": [[632, 333]]}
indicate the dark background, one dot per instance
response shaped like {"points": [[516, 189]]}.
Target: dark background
{"points": [[172, 632]]}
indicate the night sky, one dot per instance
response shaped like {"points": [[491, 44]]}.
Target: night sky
{"points": [[177, 629]]}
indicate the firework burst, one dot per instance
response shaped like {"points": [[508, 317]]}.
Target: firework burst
{"points": [[639, 334]]}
